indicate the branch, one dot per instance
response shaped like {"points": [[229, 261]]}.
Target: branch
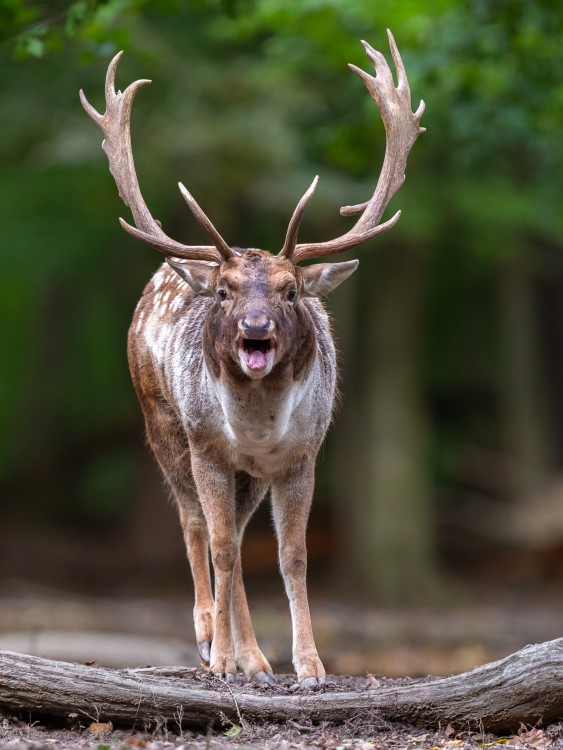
{"points": [[525, 687]]}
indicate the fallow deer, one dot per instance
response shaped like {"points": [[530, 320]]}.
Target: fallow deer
{"points": [[233, 361]]}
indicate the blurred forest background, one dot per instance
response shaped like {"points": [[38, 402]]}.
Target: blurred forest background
{"points": [[442, 476]]}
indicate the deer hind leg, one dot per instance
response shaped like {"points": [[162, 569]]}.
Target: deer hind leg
{"points": [[170, 446], [250, 659], [291, 502]]}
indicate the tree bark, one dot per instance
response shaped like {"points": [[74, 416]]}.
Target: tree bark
{"points": [[526, 687], [524, 408], [395, 537]]}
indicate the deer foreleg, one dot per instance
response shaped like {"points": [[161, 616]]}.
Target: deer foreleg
{"points": [[291, 501], [216, 491], [249, 493], [248, 654]]}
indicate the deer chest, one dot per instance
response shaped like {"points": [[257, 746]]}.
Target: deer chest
{"points": [[263, 433]]}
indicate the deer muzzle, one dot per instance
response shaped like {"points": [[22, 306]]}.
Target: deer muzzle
{"points": [[256, 343], [255, 325]]}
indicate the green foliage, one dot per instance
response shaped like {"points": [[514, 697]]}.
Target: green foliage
{"points": [[36, 29], [250, 99]]}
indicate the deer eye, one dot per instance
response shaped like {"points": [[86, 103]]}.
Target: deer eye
{"points": [[291, 295], [222, 294]]}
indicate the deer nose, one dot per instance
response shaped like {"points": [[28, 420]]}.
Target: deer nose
{"points": [[255, 324]]}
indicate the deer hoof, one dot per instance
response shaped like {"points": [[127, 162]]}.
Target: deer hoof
{"points": [[204, 649], [264, 677], [228, 677], [311, 682]]}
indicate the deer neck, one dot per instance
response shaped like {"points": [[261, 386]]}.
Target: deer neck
{"points": [[258, 412]]}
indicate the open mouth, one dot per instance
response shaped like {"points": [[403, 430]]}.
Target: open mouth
{"points": [[256, 353]]}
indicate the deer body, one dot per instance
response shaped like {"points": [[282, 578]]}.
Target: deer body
{"points": [[233, 361], [260, 425], [245, 435]]}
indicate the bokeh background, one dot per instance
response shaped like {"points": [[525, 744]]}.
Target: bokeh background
{"points": [[440, 486]]}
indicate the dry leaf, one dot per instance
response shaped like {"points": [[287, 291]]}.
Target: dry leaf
{"points": [[535, 738], [97, 727]]}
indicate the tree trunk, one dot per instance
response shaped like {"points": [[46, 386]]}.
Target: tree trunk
{"points": [[526, 687], [526, 428], [396, 533]]}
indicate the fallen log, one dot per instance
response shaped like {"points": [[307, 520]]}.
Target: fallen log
{"points": [[523, 688]]}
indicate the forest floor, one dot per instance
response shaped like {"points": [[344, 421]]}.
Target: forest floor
{"points": [[357, 642]]}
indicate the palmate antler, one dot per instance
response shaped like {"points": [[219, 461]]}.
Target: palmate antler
{"points": [[402, 129], [115, 125]]}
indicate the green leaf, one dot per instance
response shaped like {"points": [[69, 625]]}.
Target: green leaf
{"points": [[77, 14], [233, 731], [33, 46]]}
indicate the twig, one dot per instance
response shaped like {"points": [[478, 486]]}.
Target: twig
{"points": [[243, 723]]}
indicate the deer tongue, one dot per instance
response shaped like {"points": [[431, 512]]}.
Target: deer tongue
{"points": [[256, 359]]}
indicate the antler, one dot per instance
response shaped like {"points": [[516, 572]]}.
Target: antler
{"points": [[402, 129], [293, 228], [115, 125]]}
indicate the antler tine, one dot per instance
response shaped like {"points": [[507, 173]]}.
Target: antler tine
{"points": [[402, 129], [205, 222], [115, 125], [295, 221]]}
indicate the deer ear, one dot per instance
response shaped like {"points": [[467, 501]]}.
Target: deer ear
{"points": [[198, 274], [322, 278]]}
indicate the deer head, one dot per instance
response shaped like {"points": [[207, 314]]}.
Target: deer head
{"points": [[257, 316]]}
